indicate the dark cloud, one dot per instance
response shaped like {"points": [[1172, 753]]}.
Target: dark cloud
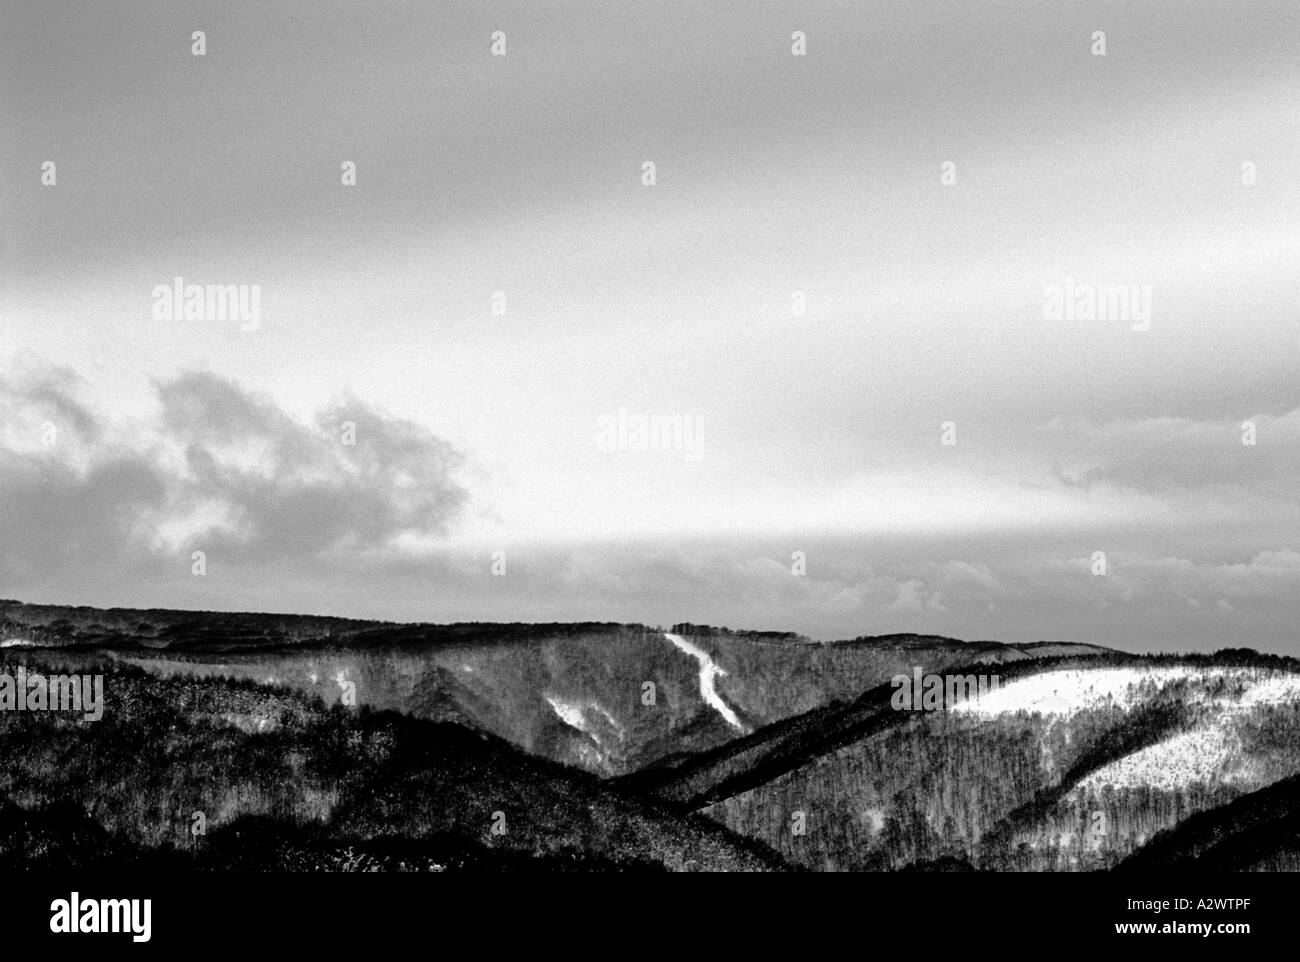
{"points": [[354, 479], [224, 471], [62, 526], [49, 392]]}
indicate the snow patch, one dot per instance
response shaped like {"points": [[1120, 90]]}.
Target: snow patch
{"points": [[1209, 753], [574, 714], [571, 714], [1069, 691]]}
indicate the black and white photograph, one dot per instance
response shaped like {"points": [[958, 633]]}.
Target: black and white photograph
{"points": [[550, 439]]}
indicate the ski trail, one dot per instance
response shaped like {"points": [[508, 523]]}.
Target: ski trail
{"points": [[709, 670]]}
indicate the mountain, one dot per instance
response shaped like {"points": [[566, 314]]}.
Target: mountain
{"points": [[573, 693], [326, 743], [1071, 764]]}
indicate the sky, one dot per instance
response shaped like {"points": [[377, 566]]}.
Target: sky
{"points": [[837, 285]]}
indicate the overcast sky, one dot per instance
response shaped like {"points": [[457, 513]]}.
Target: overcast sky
{"points": [[1170, 163]]}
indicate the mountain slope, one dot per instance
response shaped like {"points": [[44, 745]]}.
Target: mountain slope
{"points": [[315, 787], [1070, 764], [1257, 832]]}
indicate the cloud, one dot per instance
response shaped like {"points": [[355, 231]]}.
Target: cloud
{"points": [[38, 403], [220, 469], [1169, 454], [354, 480]]}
